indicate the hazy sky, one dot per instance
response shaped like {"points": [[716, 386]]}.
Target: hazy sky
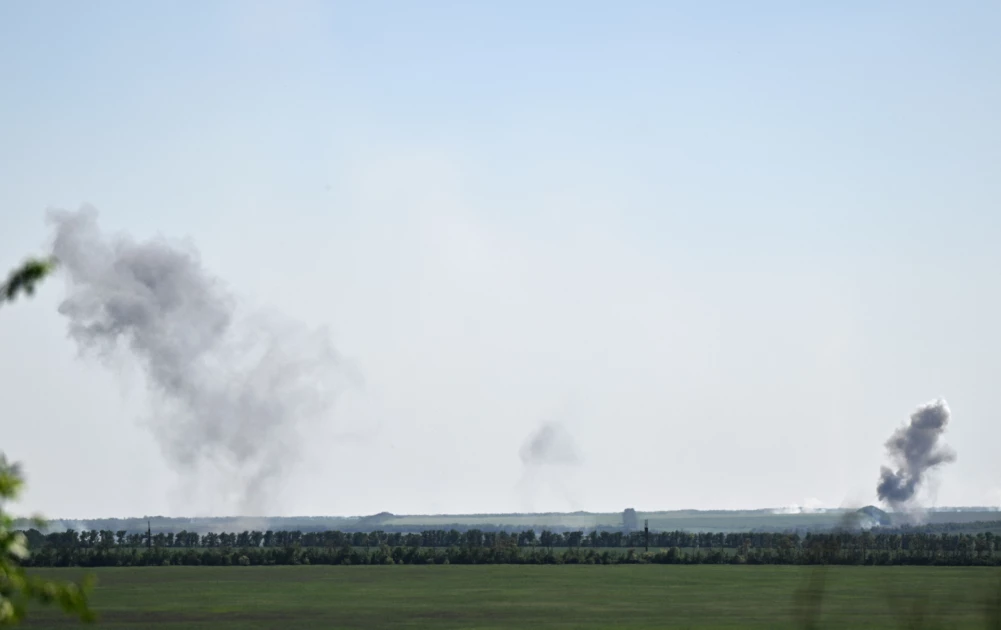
{"points": [[728, 247]]}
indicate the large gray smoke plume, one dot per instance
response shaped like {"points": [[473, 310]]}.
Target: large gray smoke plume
{"points": [[550, 444], [230, 392], [915, 449]]}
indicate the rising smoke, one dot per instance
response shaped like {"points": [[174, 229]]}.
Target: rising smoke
{"points": [[230, 392], [915, 450], [550, 444], [548, 456]]}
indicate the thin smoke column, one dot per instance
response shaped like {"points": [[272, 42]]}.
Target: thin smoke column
{"points": [[231, 392], [915, 449], [550, 444]]}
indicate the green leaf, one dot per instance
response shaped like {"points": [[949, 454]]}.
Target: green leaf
{"points": [[26, 277]]}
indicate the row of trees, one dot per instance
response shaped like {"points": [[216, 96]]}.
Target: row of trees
{"points": [[105, 539], [101, 548], [818, 554]]}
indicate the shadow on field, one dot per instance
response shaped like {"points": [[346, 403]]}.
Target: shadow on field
{"points": [[912, 608], [915, 610], [992, 606], [809, 598]]}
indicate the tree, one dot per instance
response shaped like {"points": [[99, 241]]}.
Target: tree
{"points": [[17, 588], [546, 539], [574, 539], [528, 537]]}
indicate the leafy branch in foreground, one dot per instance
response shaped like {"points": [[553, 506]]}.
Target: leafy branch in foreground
{"points": [[17, 588], [24, 278]]}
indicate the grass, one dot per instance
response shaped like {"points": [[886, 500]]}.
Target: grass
{"points": [[505, 596]]}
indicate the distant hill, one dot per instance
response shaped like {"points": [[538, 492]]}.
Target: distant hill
{"points": [[877, 516], [721, 521]]}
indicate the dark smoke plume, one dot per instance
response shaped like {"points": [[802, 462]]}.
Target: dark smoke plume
{"points": [[915, 449], [550, 444], [230, 392]]}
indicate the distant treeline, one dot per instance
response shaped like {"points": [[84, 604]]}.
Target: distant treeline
{"points": [[97, 548], [627, 521], [953, 528], [304, 524], [972, 527]]}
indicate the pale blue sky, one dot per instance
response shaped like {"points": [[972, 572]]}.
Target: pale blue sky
{"points": [[730, 244]]}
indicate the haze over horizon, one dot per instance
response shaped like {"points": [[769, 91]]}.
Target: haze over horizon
{"points": [[727, 250]]}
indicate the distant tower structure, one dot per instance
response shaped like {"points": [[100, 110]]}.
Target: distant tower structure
{"points": [[646, 534], [630, 522], [149, 535]]}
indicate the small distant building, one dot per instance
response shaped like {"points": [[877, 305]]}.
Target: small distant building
{"points": [[630, 521]]}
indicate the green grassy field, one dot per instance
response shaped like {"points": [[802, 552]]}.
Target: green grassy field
{"points": [[634, 596]]}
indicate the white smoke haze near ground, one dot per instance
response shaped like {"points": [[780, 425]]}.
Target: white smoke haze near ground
{"points": [[231, 391], [915, 451], [811, 505], [58, 526], [242, 524]]}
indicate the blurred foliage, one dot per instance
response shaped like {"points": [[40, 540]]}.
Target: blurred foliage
{"points": [[17, 588], [24, 279]]}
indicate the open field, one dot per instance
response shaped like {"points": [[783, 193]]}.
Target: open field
{"points": [[643, 596]]}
